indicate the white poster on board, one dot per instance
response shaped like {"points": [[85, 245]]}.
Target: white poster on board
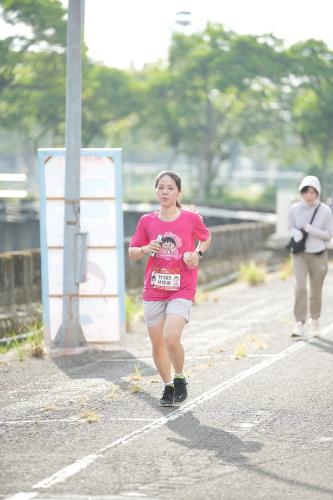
{"points": [[101, 296]]}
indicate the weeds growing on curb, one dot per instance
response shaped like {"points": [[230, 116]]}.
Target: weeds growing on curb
{"points": [[252, 273], [286, 269], [32, 343], [132, 310]]}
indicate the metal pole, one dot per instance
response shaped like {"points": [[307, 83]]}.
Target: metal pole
{"points": [[70, 333]]}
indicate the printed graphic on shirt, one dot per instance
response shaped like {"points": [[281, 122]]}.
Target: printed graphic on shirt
{"points": [[166, 273], [169, 246]]}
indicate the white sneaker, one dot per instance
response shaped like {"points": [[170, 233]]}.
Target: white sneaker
{"points": [[298, 330], [314, 327]]}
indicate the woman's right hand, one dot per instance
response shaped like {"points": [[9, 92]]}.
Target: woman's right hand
{"points": [[153, 247]]}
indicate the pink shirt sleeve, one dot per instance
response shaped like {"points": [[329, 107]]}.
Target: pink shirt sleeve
{"points": [[140, 236], [200, 231]]}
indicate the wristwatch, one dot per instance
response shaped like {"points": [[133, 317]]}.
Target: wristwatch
{"points": [[200, 253]]}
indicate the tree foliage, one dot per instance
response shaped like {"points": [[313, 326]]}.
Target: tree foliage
{"points": [[217, 92]]}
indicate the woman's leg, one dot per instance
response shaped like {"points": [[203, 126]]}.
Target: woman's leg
{"points": [[301, 272], [173, 329], [160, 354], [318, 269]]}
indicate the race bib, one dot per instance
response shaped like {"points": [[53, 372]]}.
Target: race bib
{"points": [[165, 281]]}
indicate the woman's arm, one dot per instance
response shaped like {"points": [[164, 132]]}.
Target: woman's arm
{"points": [[193, 257], [204, 245], [136, 253]]}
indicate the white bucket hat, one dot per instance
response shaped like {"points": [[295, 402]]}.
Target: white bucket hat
{"points": [[311, 181]]}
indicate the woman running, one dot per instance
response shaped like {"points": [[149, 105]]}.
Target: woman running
{"points": [[175, 240]]}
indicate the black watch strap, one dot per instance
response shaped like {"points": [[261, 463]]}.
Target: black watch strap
{"points": [[200, 253]]}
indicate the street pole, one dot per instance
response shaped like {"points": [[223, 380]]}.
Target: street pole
{"points": [[70, 333]]}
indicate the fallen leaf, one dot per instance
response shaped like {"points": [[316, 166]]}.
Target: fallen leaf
{"points": [[240, 351], [260, 344], [114, 394], [49, 408], [134, 388], [90, 416]]}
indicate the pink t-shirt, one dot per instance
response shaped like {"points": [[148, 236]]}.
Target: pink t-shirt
{"points": [[167, 276]]}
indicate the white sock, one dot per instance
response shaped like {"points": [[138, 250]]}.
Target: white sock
{"points": [[168, 383]]}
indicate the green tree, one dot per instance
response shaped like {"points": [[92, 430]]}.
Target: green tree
{"points": [[312, 102], [199, 102], [44, 21], [110, 95]]}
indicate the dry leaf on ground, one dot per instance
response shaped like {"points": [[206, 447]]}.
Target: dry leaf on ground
{"points": [[90, 416], [240, 351]]}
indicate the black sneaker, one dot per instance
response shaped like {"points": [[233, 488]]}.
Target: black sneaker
{"points": [[180, 389], [167, 396]]}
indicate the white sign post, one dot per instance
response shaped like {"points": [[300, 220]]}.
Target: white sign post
{"points": [[102, 294]]}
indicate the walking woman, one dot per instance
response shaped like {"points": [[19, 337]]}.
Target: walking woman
{"points": [[314, 219], [175, 240]]}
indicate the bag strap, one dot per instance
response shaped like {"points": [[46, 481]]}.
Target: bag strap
{"points": [[314, 213]]}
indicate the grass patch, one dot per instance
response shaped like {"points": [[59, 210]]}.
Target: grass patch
{"points": [[32, 344], [286, 269], [133, 310], [252, 273]]}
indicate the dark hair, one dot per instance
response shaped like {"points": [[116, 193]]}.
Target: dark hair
{"points": [[168, 239], [173, 176], [306, 189]]}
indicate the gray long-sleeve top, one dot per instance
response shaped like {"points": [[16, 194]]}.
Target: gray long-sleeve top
{"points": [[321, 230]]}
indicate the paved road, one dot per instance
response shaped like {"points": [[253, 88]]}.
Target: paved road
{"points": [[257, 427]]}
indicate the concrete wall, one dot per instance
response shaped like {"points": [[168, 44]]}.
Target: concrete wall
{"points": [[20, 275], [19, 235], [20, 278], [20, 291]]}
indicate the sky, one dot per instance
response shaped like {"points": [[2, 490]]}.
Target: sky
{"points": [[134, 32]]}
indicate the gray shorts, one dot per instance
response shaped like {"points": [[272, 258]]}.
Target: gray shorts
{"points": [[156, 310]]}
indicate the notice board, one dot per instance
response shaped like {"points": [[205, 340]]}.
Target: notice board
{"points": [[102, 294]]}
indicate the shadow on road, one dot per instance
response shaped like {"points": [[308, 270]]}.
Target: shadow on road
{"points": [[197, 436], [230, 448], [323, 344]]}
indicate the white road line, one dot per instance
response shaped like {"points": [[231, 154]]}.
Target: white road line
{"points": [[34, 421], [71, 420], [23, 496], [74, 468]]}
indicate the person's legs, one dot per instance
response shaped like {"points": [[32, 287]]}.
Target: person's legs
{"points": [[165, 321], [177, 315], [301, 272], [318, 265], [160, 354], [173, 329], [154, 314]]}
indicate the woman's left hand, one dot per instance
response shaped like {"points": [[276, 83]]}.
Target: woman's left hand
{"points": [[192, 259]]}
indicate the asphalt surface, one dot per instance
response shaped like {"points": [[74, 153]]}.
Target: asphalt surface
{"points": [[256, 427]]}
